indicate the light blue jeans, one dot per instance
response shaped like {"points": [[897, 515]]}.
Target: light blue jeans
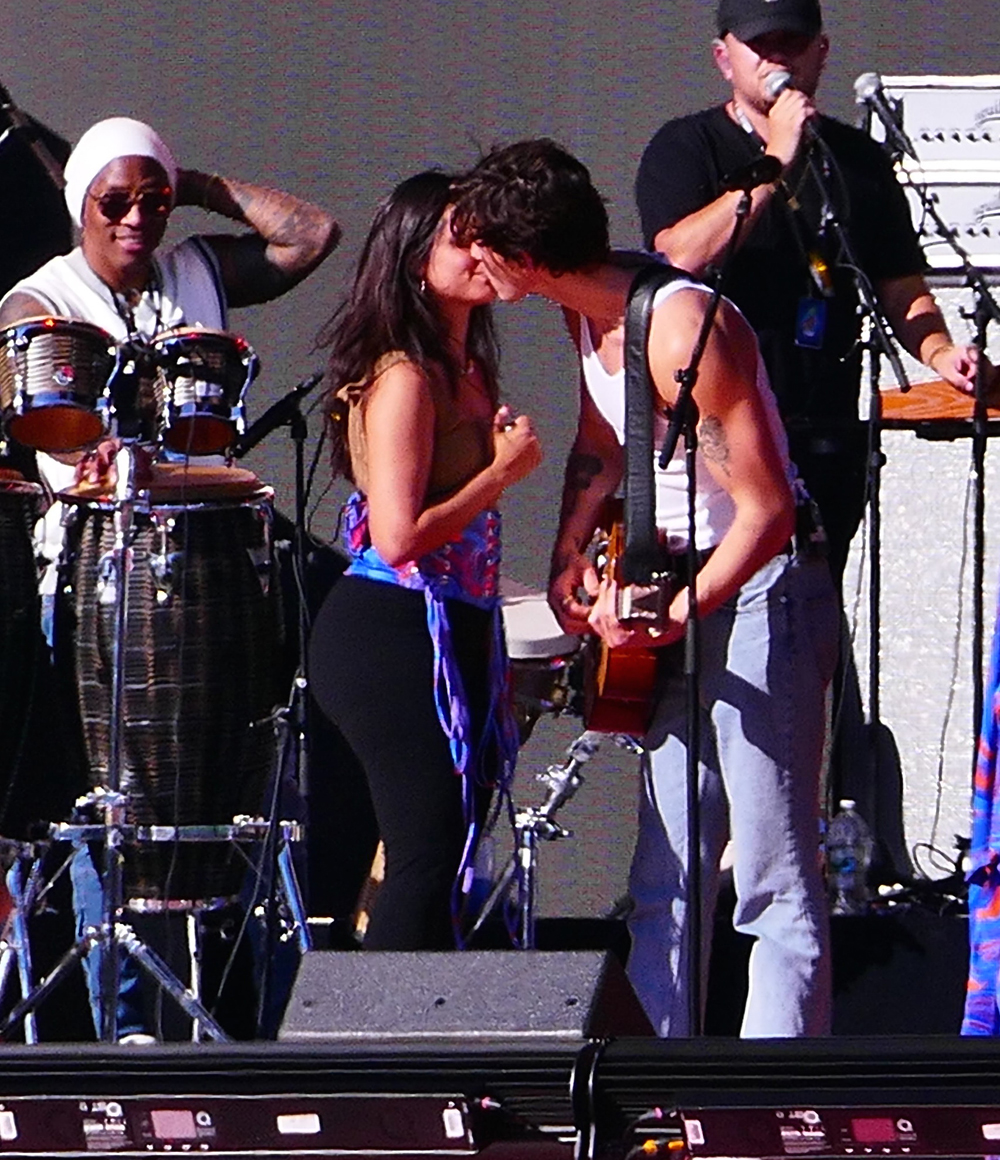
{"points": [[88, 908], [767, 657]]}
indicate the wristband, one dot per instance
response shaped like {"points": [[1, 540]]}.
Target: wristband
{"points": [[929, 360], [206, 189]]}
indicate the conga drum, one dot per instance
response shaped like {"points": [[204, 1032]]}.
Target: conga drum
{"points": [[201, 663], [20, 628], [541, 656]]}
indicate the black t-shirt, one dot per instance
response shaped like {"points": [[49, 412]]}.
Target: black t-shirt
{"points": [[682, 170]]}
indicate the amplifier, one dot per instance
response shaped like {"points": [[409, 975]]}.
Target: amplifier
{"points": [[954, 124]]}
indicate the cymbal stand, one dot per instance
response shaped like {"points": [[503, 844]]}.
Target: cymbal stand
{"points": [[535, 824]]}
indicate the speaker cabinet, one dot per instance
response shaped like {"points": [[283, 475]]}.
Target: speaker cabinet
{"points": [[544, 996]]}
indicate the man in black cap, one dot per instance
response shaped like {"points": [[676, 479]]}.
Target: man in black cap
{"points": [[788, 276]]}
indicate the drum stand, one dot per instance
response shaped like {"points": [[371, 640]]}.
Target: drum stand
{"points": [[113, 936], [30, 890], [537, 823]]}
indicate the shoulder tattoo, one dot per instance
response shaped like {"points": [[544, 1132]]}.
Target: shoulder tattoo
{"points": [[712, 441]]}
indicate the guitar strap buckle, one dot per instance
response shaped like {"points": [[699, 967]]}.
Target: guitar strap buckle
{"points": [[647, 603]]}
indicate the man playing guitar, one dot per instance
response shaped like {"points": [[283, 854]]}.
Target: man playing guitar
{"points": [[767, 608]]}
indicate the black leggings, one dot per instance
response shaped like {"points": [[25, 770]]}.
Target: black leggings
{"points": [[371, 671]]}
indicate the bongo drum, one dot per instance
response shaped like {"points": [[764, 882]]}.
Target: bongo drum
{"points": [[204, 375], [201, 657], [54, 376]]}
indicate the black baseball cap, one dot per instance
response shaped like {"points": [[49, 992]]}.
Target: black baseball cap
{"points": [[746, 19]]}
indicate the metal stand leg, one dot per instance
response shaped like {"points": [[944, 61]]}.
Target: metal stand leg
{"points": [[113, 937], [291, 895], [122, 939], [15, 946], [537, 823]]}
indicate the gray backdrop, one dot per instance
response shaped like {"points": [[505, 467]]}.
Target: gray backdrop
{"points": [[337, 101]]}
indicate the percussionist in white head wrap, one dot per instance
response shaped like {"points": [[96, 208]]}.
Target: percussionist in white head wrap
{"points": [[122, 183]]}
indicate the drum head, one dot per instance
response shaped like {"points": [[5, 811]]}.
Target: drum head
{"points": [[181, 483]]}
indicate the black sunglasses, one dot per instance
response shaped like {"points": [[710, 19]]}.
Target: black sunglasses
{"points": [[115, 204]]}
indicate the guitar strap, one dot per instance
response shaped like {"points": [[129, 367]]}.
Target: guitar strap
{"points": [[642, 559]]}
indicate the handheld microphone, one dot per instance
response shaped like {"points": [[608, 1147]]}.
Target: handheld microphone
{"points": [[868, 90], [776, 82]]}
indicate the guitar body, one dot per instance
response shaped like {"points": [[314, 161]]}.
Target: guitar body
{"points": [[619, 683]]}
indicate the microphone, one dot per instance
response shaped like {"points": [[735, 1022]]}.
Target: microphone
{"points": [[776, 82], [868, 91], [277, 415], [761, 171]]}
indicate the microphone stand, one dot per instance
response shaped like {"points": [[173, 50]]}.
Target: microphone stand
{"points": [[985, 311], [898, 143], [684, 419], [18, 122], [287, 412], [879, 345]]}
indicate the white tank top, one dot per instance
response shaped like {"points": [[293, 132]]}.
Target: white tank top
{"points": [[714, 508]]}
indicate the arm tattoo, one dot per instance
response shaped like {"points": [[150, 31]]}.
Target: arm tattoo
{"points": [[581, 471], [712, 440]]}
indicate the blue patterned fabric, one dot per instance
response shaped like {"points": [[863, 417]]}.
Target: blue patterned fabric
{"points": [[981, 1013]]}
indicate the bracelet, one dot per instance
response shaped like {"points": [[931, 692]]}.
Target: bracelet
{"points": [[929, 360]]}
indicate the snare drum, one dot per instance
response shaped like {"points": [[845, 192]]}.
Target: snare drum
{"points": [[201, 673], [541, 657], [205, 374], [54, 376]]}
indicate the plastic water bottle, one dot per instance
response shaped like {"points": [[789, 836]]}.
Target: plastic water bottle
{"points": [[849, 855]]}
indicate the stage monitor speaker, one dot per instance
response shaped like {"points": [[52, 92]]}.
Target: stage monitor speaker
{"points": [[525, 996]]}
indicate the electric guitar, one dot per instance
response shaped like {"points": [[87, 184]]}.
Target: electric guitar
{"points": [[619, 683]]}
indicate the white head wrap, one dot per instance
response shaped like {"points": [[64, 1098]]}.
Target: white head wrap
{"points": [[105, 142]]}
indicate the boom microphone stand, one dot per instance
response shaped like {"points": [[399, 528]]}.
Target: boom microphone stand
{"points": [[287, 412], [985, 311]]}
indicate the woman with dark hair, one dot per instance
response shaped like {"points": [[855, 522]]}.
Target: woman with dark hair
{"points": [[406, 656]]}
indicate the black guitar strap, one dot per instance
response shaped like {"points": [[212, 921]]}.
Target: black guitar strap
{"points": [[643, 557]]}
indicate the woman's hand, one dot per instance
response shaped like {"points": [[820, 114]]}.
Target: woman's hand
{"points": [[516, 450]]}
